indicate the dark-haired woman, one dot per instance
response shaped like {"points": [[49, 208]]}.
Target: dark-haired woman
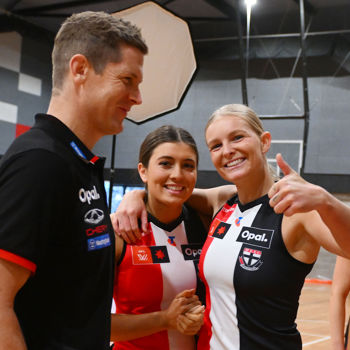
{"points": [[156, 276]]}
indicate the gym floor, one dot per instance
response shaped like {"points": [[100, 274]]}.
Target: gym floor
{"points": [[313, 315]]}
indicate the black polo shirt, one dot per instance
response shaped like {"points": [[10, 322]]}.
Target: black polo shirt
{"points": [[54, 221]]}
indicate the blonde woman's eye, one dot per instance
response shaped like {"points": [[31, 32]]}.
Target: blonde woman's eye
{"points": [[215, 147]]}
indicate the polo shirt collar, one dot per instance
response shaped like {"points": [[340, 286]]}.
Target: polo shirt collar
{"points": [[60, 131]]}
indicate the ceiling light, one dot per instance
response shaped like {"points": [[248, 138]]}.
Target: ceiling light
{"points": [[250, 3]]}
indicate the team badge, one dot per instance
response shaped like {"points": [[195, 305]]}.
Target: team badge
{"points": [[250, 259], [142, 255], [219, 229]]}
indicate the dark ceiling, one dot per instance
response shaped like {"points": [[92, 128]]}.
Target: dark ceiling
{"points": [[213, 23]]}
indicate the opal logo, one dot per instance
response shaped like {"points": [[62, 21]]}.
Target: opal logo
{"points": [[256, 236], [88, 195], [191, 251]]}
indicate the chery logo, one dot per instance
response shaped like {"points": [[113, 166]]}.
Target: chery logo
{"points": [[98, 229], [94, 216]]}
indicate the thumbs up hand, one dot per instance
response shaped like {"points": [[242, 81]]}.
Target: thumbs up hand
{"points": [[292, 194]]}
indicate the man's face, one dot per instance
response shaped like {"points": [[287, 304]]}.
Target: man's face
{"points": [[110, 95]]}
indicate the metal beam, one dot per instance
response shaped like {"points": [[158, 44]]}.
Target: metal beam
{"points": [[275, 36], [57, 6], [224, 7], [9, 22], [308, 7], [287, 116], [234, 13], [10, 6], [305, 84], [241, 56]]}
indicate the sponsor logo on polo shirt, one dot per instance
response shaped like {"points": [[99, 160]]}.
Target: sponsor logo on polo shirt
{"points": [[97, 229], [250, 259], [88, 195], [94, 216], [99, 242], [191, 251], [256, 236], [142, 255]]}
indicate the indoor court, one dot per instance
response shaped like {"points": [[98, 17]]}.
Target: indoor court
{"points": [[289, 60], [312, 319]]}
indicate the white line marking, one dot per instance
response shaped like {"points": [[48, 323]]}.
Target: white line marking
{"points": [[316, 341]]}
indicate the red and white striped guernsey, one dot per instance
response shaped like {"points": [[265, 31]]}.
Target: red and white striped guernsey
{"points": [[154, 270]]}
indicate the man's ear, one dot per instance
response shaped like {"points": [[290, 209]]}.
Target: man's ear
{"points": [[265, 141], [79, 67], [142, 172]]}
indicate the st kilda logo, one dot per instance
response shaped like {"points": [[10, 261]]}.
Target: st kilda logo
{"points": [[250, 257]]}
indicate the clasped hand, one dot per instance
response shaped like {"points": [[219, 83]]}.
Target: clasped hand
{"points": [[185, 313]]}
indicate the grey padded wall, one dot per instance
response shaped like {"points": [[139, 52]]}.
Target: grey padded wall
{"points": [[329, 141], [25, 84]]}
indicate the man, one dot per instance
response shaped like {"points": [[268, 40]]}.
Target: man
{"points": [[56, 238]]}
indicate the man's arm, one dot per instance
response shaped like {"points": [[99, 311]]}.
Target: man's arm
{"points": [[12, 278]]}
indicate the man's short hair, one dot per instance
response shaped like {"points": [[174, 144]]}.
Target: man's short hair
{"points": [[97, 36]]}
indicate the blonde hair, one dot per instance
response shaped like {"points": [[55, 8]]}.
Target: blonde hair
{"points": [[248, 115], [240, 111]]}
